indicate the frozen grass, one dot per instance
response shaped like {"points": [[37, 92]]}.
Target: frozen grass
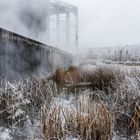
{"points": [[21, 102], [60, 122], [112, 107], [120, 91]]}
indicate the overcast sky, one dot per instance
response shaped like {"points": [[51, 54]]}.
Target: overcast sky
{"points": [[108, 22], [101, 22]]}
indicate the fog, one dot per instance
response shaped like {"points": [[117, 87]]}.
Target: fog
{"points": [[24, 17], [101, 22], [108, 22]]}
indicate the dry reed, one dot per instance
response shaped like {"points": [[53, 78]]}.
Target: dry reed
{"points": [[71, 76], [60, 122]]}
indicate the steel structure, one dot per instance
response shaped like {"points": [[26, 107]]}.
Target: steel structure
{"points": [[62, 23]]}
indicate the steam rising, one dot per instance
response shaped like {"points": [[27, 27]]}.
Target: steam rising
{"points": [[34, 16], [24, 17], [101, 22]]}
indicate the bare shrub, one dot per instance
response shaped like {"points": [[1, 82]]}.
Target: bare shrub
{"points": [[71, 76], [105, 78], [58, 77]]}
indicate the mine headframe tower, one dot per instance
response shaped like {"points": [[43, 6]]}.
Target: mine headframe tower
{"points": [[62, 19]]}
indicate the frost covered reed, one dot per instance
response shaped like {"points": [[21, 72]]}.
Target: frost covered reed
{"points": [[119, 89], [61, 122], [113, 105], [22, 100]]}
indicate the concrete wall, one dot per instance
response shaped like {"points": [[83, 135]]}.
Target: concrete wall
{"points": [[21, 57]]}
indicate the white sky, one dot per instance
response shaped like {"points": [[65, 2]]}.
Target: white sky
{"points": [[108, 22], [101, 22]]}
